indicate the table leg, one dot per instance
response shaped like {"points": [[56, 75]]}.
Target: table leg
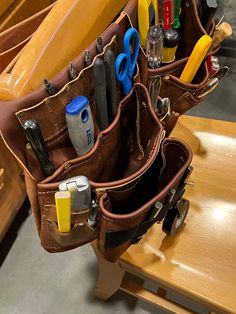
{"points": [[110, 276]]}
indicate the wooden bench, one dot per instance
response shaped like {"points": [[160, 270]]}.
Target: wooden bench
{"points": [[199, 263]]}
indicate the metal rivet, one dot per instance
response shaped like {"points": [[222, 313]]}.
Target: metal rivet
{"points": [[166, 78], [158, 205], [28, 146], [66, 166], [21, 114]]}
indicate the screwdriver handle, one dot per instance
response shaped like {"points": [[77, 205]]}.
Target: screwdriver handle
{"points": [[223, 31], [35, 138]]}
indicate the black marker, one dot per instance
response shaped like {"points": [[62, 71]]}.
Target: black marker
{"points": [[35, 138]]}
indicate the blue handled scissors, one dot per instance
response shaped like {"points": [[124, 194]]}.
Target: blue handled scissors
{"points": [[126, 62]]}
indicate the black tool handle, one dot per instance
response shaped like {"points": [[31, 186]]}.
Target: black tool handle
{"points": [[35, 138], [99, 76], [109, 61]]}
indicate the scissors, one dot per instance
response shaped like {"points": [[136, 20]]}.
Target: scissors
{"points": [[126, 62]]}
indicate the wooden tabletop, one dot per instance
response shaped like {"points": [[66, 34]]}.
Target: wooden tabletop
{"points": [[200, 261]]}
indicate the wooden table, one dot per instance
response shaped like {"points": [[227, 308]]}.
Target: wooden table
{"points": [[200, 261]]}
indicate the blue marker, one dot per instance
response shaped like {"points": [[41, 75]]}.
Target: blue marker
{"points": [[80, 124]]}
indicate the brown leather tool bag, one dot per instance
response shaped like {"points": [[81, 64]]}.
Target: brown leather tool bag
{"points": [[182, 95], [121, 154], [132, 168]]}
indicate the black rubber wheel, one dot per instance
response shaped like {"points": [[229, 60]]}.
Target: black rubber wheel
{"points": [[175, 217]]}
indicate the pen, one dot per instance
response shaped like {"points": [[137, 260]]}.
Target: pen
{"points": [[49, 87], [35, 138]]}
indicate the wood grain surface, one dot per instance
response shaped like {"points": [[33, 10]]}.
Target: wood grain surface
{"points": [[200, 261], [12, 189]]}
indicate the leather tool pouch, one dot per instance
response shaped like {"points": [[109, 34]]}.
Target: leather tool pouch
{"points": [[137, 173], [181, 94]]}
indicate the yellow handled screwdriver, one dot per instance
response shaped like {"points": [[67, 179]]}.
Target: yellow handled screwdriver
{"points": [[198, 54]]}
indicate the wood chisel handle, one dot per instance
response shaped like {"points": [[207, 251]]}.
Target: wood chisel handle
{"points": [[223, 31]]}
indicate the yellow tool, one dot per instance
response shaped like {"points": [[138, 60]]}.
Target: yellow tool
{"points": [[222, 31], [63, 205], [147, 16], [69, 28], [198, 54]]}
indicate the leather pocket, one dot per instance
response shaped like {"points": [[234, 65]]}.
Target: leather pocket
{"points": [[123, 216], [50, 115], [54, 241], [120, 156], [181, 94]]}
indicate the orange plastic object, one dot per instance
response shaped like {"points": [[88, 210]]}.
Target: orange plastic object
{"points": [[69, 28]]}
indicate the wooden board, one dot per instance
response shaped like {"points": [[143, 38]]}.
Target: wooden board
{"points": [[200, 261]]}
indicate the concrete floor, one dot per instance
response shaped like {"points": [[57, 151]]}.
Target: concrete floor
{"points": [[34, 281]]}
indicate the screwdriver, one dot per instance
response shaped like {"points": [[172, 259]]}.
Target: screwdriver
{"points": [[154, 46], [35, 138]]}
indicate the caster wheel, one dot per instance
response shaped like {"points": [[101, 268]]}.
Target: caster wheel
{"points": [[175, 217]]}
